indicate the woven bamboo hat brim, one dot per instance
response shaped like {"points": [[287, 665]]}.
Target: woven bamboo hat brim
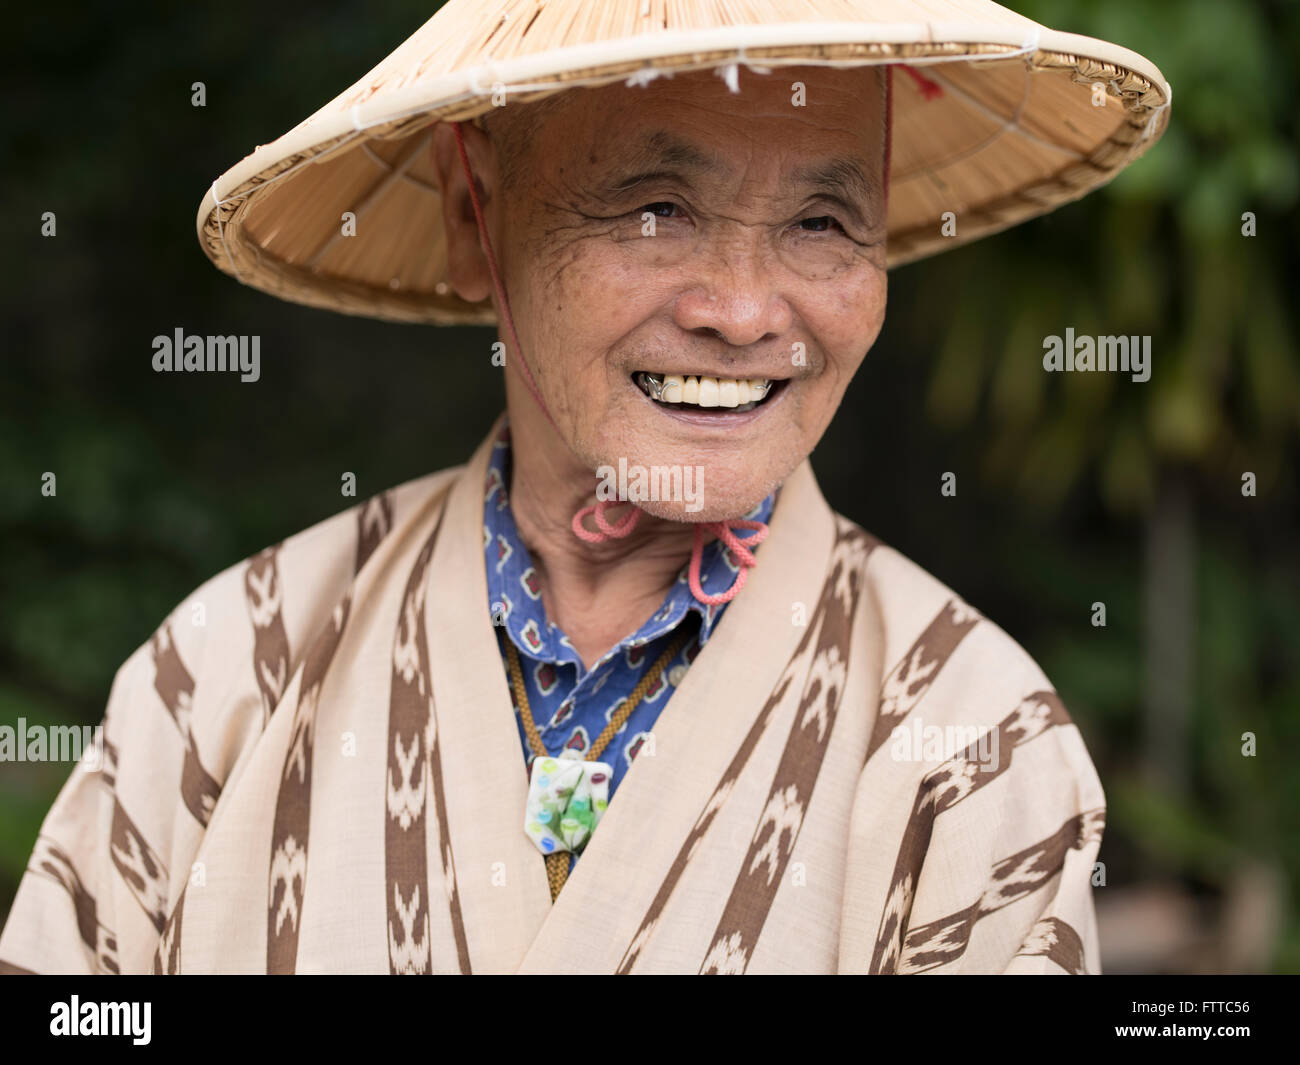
{"points": [[1005, 123]]}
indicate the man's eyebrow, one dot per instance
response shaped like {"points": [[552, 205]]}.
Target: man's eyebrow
{"points": [[841, 177], [665, 154], [662, 154]]}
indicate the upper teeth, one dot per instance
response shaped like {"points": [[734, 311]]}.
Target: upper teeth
{"points": [[706, 391]]}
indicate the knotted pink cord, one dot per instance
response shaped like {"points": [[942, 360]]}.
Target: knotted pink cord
{"points": [[607, 531], [723, 530]]}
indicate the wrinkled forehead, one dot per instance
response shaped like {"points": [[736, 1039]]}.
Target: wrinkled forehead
{"points": [[690, 120]]}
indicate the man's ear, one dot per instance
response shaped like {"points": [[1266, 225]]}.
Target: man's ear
{"points": [[467, 265]]}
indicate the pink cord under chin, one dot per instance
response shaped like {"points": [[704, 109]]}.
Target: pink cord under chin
{"points": [[723, 530]]}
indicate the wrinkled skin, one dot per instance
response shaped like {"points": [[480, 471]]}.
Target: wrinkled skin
{"points": [[752, 271]]}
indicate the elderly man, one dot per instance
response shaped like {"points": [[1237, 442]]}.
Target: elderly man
{"points": [[622, 694]]}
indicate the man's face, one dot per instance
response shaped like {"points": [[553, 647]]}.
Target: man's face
{"points": [[685, 232]]}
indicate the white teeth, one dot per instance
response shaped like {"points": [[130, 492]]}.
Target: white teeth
{"points": [[705, 391]]}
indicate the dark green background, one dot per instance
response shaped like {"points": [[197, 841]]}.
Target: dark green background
{"points": [[1071, 489]]}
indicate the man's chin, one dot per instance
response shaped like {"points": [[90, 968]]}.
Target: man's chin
{"points": [[680, 512], [708, 507], [712, 490]]}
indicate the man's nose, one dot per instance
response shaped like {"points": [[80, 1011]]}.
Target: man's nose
{"points": [[735, 298]]}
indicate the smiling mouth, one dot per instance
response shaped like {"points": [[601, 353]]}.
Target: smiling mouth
{"points": [[730, 395]]}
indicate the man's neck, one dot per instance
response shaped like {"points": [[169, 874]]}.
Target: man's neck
{"points": [[596, 593]]}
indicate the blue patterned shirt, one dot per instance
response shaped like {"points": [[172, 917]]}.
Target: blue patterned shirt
{"points": [[571, 706]]}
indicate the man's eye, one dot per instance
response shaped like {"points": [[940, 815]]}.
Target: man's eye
{"points": [[821, 224], [663, 209]]}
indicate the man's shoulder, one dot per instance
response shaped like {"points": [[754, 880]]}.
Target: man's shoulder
{"points": [[948, 681], [340, 535], [930, 637], [283, 592]]}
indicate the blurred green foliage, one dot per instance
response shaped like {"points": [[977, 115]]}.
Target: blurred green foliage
{"points": [[1162, 253], [164, 481]]}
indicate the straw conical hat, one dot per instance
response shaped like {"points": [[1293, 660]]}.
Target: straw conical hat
{"points": [[1006, 123]]}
